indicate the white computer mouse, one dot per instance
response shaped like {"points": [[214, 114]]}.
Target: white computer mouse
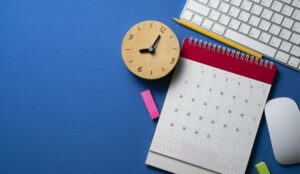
{"points": [[283, 120]]}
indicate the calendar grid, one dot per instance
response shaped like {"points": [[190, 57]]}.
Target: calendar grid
{"points": [[209, 109]]}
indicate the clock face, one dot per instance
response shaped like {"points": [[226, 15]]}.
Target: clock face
{"points": [[150, 49]]}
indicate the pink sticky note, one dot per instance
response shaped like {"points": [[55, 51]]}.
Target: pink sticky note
{"points": [[150, 104]]}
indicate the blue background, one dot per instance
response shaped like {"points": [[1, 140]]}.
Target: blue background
{"points": [[67, 102]]}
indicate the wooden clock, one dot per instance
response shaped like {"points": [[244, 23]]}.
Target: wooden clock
{"points": [[150, 49]]}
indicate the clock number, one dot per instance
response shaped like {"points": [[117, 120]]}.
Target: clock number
{"points": [[130, 36], [172, 61], [162, 29], [140, 69]]}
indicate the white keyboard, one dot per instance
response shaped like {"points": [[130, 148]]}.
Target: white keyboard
{"points": [[271, 27]]}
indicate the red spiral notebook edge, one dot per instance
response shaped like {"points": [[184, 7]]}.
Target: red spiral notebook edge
{"points": [[227, 62]]}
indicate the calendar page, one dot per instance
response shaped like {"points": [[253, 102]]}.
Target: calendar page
{"points": [[210, 117]]}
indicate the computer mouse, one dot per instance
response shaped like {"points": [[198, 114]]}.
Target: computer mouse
{"points": [[283, 120]]}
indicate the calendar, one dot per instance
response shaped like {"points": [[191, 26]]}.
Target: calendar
{"points": [[213, 107]]}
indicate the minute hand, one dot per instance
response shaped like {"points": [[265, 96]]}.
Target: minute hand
{"points": [[155, 42]]}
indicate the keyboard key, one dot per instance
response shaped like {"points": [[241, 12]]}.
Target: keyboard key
{"points": [[244, 28], [187, 15], [197, 19], [201, 9], [287, 10], [264, 25], [254, 20], [214, 3], [285, 46], [224, 19], [203, 1], [267, 14], [254, 33], [295, 38], [266, 3], [224, 7], [287, 1], [236, 2], [287, 22], [285, 34], [275, 29], [277, 6], [256, 9], [257, 1], [265, 37], [275, 42], [219, 29], [246, 5], [296, 27], [249, 42], [207, 24], [244, 16], [295, 51], [234, 24], [281, 56], [277, 18], [296, 14], [294, 62], [214, 15], [234, 12], [296, 3]]}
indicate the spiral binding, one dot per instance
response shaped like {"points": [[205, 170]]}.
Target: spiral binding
{"points": [[230, 52]]}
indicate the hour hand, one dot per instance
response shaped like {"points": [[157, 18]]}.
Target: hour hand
{"points": [[147, 50]]}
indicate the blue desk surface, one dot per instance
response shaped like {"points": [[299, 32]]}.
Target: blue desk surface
{"points": [[67, 102]]}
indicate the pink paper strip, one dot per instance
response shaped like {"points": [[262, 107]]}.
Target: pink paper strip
{"points": [[150, 104]]}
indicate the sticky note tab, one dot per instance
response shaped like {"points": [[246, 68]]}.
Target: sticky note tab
{"points": [[262, 168], [150, 104]]}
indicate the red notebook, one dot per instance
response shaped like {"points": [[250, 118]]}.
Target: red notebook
{"points": [[212, 110]]}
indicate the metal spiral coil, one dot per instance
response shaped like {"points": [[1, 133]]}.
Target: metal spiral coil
{"points": [[230, 52]]}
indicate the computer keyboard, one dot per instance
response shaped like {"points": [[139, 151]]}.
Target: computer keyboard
{"points": [[271, 27]]}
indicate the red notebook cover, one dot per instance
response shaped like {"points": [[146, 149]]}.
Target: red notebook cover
{"points": [[228, 60]]}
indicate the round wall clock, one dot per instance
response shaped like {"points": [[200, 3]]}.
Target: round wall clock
{"points": [[150, 49]]}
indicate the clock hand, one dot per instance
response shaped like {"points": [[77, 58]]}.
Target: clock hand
{"points": [[147, 50], [155, 42], [152, 48]]}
